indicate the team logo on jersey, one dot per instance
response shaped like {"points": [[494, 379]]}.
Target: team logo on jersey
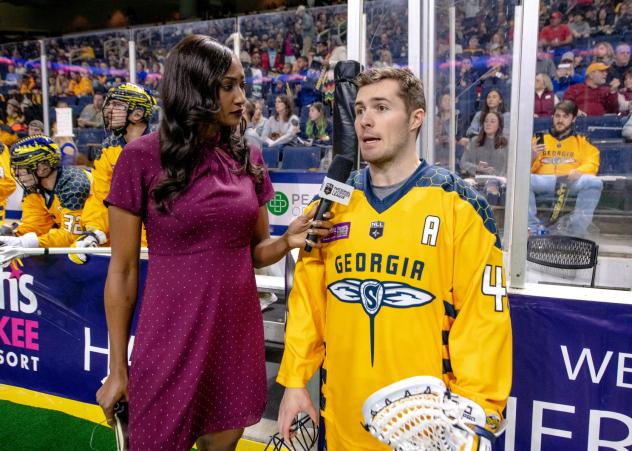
{"points": [[558, 160], [376, 230], [373, 294]]}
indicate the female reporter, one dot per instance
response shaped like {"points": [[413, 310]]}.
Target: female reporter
{"points": [[198, 371]]}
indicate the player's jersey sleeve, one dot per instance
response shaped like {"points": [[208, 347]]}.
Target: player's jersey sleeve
{"points": [[95, 213], [480, 340], [304, 336], [67, 233], [35, 216], [7, 183]]}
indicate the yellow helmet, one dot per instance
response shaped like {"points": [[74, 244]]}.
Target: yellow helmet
{"points": [[134, 96], [28, 153]]}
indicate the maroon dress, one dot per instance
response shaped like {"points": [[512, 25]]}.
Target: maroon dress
{"points": [[198, 363]]}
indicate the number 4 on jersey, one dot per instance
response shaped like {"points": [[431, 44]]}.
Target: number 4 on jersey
{"points": [[498, 291]]}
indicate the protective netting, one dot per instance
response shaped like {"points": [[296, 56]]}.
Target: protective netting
{"points": [[562, 252], [304, 439], [421, 422]]}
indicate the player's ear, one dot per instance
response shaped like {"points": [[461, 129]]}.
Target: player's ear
{"points": [[417, 118]]}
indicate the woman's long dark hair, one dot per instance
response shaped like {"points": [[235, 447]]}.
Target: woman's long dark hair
{"points": [[193, 72], [499, 139]]}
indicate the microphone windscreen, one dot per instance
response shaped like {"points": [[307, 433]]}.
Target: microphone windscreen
{"points": [[340, 169]]}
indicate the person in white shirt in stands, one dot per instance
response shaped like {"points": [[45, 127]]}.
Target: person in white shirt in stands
{"points": [[250, 134], [283, 127], [258, 119], [92, 114]]}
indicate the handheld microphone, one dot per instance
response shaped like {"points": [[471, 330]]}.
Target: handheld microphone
{"points": [[333, 189]]}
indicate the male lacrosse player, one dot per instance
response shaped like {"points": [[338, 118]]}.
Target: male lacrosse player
{"points": [[126, 112], [410, 284], [54, 196], [565, 164]]}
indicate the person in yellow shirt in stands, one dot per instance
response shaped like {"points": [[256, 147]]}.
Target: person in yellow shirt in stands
{"points": [[126, 112], [7, 184], [80, 85], [563, 157], [54, 196]]}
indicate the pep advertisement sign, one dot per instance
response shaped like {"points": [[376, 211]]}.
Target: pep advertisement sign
{"points": [[293, 192]]}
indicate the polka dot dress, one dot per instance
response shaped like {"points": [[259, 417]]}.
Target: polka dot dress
{"points": [[198, 364]]}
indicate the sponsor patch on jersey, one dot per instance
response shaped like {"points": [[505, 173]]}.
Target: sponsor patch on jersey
{"points": [[339, 231], [493, 423], [377, 229]]}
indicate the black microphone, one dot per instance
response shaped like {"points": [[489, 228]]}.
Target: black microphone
{"points": [[333, 189]]}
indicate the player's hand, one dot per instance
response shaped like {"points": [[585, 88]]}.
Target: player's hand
{"points": [[26, 240], [299, 228], [295, 400], [88, 239], [114, 389], [8, 230]]}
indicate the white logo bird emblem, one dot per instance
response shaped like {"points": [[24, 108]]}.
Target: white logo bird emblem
{"points": [[373, 294]]}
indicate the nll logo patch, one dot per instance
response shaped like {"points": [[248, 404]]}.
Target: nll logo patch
{"points": [[328, 188], [377, 229], [373, 294]]}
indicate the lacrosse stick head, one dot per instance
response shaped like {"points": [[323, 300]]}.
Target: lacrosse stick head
{"points": [[420, 413], [306, 436]]}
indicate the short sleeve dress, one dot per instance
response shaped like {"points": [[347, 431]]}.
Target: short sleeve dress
{"points": [[198, 363]]}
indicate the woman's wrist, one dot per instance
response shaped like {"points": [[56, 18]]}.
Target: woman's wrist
{"points": [[118, 370], [285, 239]]}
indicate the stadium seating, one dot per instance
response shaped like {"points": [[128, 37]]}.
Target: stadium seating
{"points": [[300, 158], [615, 158], [271, 156], [87, 139]]}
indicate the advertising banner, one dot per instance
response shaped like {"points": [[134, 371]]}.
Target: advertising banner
{"points": [[53, 335], [572, 375], [293, 192]]}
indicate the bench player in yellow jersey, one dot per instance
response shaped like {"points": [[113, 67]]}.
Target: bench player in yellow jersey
{"points": [[409, 283], [54, 196], [7, 185], [126, 112]]}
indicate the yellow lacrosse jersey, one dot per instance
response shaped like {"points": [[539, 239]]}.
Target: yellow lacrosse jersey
{"points": [[95, 213], [56, 216], [409, 285], [7, 183]]}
